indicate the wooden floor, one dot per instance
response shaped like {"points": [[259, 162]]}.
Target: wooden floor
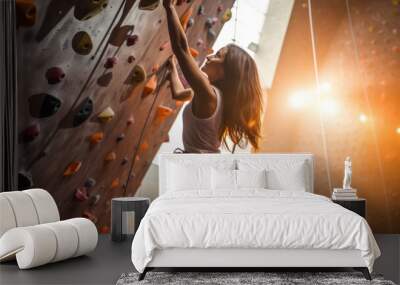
{"points": [[106, 264]]}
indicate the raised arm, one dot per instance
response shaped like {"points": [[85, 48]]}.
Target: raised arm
{"points": [[203, 91]]}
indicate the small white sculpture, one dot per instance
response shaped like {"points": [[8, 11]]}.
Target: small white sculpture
{"points": [[347, 173]]}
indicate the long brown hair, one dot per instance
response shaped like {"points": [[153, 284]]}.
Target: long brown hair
{"points": [[242, 99]]}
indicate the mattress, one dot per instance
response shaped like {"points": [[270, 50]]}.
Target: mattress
{"points": [[250, 218]]}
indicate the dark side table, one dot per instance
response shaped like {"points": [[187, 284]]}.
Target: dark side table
{"points": [[357, 206], [126, 214]]}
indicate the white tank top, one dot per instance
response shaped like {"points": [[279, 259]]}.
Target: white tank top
{"points": [[202, 135]]}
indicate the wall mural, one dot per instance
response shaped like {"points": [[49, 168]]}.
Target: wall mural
{"points": [[358, 113], [93, 101]]}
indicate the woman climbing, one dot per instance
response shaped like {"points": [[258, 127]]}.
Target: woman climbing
{"points": [[225, 94]]}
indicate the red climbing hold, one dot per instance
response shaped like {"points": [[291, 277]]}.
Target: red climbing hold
{"points": [[131, 40], [89, 215], [219, 9], [150, 86], [96, 138], [72, 168], [81, 194], [115, 183], [110, 156], [54, 75], [31, 132], [104, 230], [110, 62]]}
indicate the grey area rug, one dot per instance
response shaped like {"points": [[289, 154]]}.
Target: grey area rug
{"points": [[233, 278]]}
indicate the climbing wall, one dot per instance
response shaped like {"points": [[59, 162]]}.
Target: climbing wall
{"points": [[359, 108], [94, 105]]}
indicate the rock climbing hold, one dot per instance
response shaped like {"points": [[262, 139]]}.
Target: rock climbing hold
{"points": [[89, 215], [227, 15], [94, 199], [110, 156], [105, 79], [110, 62], [148, 4], [200, 11], [26, 12], [211, 34], [155, 68], [209, 23], [214, 20], [72, 168], [104, 230], [115, 183], [84, 112], [82, 43], [43, 105], [219, 9], [130, 121], [190, 23], [164, 46], [124, 160], [106, 115], [162, 113], [150, 86], [144, 146], [90, 182], [131, 59], [54, 75], [81, 194], [138, 74], [194, 52], [25, 180], [120, 137], [96, 138], [199, 42], [31, 132], [131, 40], [185, 18], [86, 9]]}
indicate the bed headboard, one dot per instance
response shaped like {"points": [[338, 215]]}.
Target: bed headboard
{"points": [[233, 160]]}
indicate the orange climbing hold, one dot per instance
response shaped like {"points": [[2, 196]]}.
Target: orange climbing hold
{"points": [[106, 115], [115, 183], [104, 230], [72, 168], [186, 17], [194, 52], [110, 156], [96, 138], [162, 113], [150, 86], [155, 68], [144, 146]]}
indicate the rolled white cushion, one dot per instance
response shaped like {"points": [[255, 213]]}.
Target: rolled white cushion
{"points": [[23, 208], [37, 245], [45, 205], [67, 240], [7, 218], [33, 246], [87, 235]]}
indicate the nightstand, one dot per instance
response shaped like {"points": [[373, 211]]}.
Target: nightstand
{"points": [[358, 206]]}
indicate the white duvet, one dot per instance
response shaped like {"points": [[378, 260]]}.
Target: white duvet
{"points": [[250, 219]]}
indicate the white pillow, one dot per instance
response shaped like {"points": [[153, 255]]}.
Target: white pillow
{"points": [[183, 177], [223, 179], [293, 179], [251, 178]]}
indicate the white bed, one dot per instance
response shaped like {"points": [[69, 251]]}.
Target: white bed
{"points": [[209, 222]]}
